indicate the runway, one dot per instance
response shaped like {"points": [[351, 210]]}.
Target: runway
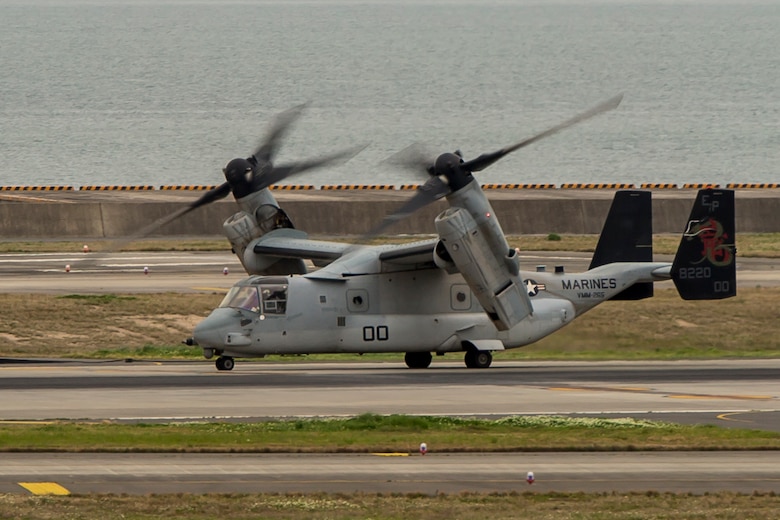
{"points": [[95, 273], [204, 271], [734, 393], [680, 472]]}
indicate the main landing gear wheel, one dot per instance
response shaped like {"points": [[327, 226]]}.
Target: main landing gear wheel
{"points": [[225, 363], [478, 359], [418, 359]]}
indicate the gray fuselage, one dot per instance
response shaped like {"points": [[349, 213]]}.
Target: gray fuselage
{"points": [[407, 311]]}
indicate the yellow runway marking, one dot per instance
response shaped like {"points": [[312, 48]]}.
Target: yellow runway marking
{"points": [[598, 389], [396, 454], [739, 397], [650, 391], [44, 488], [214, 289], [726, 417]]}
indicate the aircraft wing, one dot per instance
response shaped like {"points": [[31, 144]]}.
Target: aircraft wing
{"points": [[289, 244], [413, 253], [341, 260], [368, 260]]}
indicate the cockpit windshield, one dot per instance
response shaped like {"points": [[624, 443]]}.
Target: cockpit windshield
{"points": [[265, 298], [242, 297]]}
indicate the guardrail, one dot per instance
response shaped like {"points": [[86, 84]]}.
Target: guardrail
{"points": [[117, 188], [753, 185], [36, 188], [188, 187], [391, 187]]}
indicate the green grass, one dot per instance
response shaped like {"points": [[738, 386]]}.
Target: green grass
{"points": [[525, 504], [765, 245], [152, 326], [375, 433]]}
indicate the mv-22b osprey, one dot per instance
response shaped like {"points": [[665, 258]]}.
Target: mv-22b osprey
{"points": [[463, 291]]}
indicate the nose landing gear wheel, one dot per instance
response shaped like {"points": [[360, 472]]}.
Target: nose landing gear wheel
{"points": [[478, 359], [225, 363]]}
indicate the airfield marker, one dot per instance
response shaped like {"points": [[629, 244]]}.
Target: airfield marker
{"points": [[146, 270], [530, 478], [225, 271], [85, 248], [423, 448], [67, 268]]}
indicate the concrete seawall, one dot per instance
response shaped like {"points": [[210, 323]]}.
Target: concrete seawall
{"points": [[90, 216]]}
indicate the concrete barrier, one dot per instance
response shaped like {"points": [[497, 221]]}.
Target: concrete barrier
{"points": [[66, 221], [339, 216]]}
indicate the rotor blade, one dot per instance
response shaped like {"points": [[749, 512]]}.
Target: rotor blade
{"points": [[279, 173], [415, 158], [117, 244], [485, 160], [266, 151], [220, 192], [428, 193]]}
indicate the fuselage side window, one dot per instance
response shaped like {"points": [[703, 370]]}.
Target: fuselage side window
{"points": [[274, 299]]}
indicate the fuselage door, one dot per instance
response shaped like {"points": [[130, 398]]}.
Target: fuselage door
{"points": [[460, 297]]}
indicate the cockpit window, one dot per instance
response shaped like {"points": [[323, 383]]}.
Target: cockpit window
{"points": [[266, 298], [274, 298], [242, 297]]}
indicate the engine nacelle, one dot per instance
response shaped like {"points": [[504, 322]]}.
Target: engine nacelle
{"points": [[259, 213], [442, 258], [491, 275], [255, 263], [242, 230]]}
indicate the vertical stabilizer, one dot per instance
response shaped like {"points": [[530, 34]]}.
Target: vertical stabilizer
{"points": [[705, 265], [627, 236]]}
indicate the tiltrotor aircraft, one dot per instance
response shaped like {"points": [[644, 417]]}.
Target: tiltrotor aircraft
{"points": [[462, 292]]}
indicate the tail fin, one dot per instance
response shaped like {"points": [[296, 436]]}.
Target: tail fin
{"points": [[627, 236], [705, 267]]}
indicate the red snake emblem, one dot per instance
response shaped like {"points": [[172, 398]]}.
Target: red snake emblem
{"points": [[712, 237]]}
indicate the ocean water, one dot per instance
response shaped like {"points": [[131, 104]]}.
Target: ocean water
{"points": [[167, 91]]}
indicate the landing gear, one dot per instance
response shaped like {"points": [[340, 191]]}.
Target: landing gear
{"points": [[478, 358], [225, 363], [418, 359]]}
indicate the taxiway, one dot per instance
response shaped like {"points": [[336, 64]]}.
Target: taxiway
{"points": [[143, 473]]}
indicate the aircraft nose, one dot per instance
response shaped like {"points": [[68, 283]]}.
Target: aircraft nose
{"points": [[212, 331]]}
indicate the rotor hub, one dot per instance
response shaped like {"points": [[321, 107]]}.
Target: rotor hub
{"points": [[448, 165], [238, 173]]}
